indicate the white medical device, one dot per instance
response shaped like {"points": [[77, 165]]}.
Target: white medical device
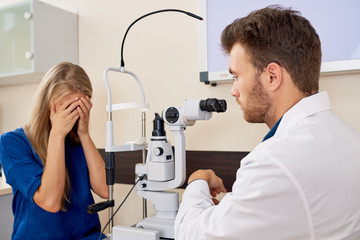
{"points": [[163, 170]]}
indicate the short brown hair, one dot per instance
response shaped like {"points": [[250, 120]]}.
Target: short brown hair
{"points": [[283, 36]]}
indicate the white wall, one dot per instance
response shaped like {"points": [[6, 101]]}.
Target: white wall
{"points": [[163, 51]]}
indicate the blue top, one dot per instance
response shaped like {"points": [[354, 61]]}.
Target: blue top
{"points": [[272, 131], [23, 170]]}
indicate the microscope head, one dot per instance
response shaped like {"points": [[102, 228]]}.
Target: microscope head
{"points": [[193, 110]]}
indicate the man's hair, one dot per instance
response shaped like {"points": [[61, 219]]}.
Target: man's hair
{"points": [[279, 35]]}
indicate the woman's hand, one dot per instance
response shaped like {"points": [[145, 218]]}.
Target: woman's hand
{"points": [[83, 109], [64, 118], [96, 164]]}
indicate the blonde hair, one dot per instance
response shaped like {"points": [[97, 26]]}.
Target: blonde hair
{"points": [[61, 80]]}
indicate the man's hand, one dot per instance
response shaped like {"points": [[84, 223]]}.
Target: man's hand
{"points": [[216, 185]]}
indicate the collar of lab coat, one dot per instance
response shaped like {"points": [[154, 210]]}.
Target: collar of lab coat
{"points": [[304, 108]]}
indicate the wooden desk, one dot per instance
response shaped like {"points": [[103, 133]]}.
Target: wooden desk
{"points": [[225, 164]]}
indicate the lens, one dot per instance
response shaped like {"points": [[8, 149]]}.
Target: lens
{"points": [[213, 105], [222, 105], [172, 115], [209, 105], [158, 129]]}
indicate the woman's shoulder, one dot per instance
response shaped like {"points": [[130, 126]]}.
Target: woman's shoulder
{"points": [[14, 140], [15, 135]]}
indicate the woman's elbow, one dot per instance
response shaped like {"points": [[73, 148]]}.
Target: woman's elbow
{"points": [[104, 193], [51, 207]]}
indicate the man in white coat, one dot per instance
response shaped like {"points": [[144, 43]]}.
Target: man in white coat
{"points": [[303, 180]]}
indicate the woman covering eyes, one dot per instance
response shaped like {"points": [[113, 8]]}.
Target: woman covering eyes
{"points": [[52, 163]]}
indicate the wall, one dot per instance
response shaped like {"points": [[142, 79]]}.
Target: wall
{"points": [[163, 51]]}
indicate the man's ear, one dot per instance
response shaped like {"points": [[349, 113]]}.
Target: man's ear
{"points": [[274, 76]]}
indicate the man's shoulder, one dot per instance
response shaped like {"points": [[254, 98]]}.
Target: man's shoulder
{"points": [[317, 138]]}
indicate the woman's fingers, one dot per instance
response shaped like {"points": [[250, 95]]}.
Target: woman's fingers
{"points": [[84, 108], [86, 102], [68, 104]]}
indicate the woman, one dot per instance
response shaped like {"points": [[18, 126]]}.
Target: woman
{"points": [[52, 163]]}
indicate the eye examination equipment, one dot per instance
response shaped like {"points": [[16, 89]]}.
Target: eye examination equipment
{"points": [[162, 168], [165, 169]]}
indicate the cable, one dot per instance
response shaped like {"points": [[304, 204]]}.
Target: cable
{"points": [[122, 63], [139, 179]]}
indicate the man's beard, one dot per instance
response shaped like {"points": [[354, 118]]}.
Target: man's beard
{"points": [[258, 105]]}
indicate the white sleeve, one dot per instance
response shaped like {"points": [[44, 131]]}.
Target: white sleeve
{"points": [[195, 200], [266, 203]]}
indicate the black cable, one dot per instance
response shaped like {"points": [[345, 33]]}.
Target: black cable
{"points": [[148, 14], [111, 218]]}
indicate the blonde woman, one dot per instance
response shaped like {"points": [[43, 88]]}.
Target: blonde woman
{"points": [[52, 163]]}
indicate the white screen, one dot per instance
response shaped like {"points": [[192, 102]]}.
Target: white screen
{"points": [[336, 22]]}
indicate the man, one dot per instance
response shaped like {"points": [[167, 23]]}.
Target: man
{"points": [[303, 180]]}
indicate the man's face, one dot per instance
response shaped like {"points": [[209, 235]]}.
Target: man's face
{"points": [[247, 87]]}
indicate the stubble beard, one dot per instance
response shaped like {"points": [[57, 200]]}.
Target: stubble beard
{"points": [[258, 106]]}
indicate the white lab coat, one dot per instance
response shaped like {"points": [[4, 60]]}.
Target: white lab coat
{"points": [[303, 183]]}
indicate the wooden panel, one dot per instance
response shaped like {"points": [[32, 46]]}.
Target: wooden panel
{"points": [[225, 164], [125, 165]]}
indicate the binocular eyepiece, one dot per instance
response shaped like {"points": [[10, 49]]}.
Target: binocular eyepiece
{"points": [[193, 110], [213, 105]]}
